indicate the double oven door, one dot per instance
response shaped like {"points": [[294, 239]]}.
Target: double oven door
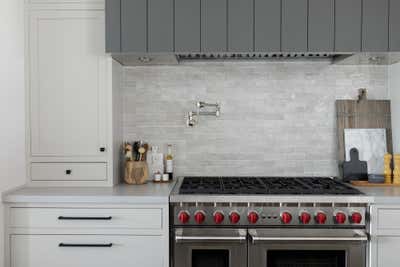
{"points": [[205, 247], [307, 248]]}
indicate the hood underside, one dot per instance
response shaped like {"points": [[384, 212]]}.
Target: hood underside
{"points": [[133, 59]]}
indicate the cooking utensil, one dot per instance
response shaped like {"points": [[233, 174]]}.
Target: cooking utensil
{"points": [[141, 151]]}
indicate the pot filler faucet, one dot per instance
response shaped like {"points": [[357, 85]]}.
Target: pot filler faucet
{"points": [[193, 116]]}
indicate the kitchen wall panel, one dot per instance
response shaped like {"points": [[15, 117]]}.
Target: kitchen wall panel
{"points": [[277, 118]]}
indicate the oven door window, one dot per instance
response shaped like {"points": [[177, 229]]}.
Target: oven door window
{"points": [[306, 258], [210, 258]]}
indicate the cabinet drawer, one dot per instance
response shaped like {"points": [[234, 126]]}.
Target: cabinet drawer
{"points": [[388, 219], [86, 218], [69, 171], [86, 250]]}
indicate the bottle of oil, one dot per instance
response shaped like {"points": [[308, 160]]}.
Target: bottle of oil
{"points": [[169, 163]]}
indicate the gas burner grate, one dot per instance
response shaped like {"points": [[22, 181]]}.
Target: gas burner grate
{"points": [[265, 185]]}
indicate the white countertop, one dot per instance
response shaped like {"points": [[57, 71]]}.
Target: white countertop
{"points": [[150, 193], [382, 195], [141, 194]]}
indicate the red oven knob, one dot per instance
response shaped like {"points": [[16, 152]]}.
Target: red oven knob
{"points": [[340, 217], [286, 217], [252, 217], [218, 217], [305, 217], [320, 218], [199, 216], [183, 216], [356, 217], [234, 217]]}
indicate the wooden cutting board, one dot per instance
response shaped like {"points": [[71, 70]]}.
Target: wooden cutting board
{"points": [[365, 114], [367, 184]]}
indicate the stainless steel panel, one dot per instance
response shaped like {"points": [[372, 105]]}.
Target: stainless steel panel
{"points": [[352, 243], [183, 251], [269, 216]]}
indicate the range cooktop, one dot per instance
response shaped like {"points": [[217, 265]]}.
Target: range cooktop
{"points": [[265, 185]]}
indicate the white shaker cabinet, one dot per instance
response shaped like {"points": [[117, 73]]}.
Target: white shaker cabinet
{"points": [[86, 250], [70, 98], [84, 235], [68, 80], [385, 236]]}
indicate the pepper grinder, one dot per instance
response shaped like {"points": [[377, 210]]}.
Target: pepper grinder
{"points": [[388, 169], [396, 171]]}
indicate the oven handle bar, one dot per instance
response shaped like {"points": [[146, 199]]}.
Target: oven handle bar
{"points": [[181, 238], [308, 238]]}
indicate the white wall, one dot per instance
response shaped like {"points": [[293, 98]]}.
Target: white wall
{"points": [[12, 133], [394, 91]]}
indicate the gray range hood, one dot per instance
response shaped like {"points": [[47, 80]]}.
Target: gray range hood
{"points": [[149, 32], [383, 58]]}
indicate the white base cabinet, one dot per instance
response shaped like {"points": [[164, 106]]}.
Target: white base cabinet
{"points": [[85, 251], [387, 251], [81, 235], [385, 236]]}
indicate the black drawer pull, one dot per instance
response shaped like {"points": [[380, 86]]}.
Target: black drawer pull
{"points": [[102, 149], [85, 218], [66, 245], [68, 172]]}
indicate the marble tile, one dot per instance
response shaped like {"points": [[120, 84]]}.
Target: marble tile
{"points": [[277, 118], [371, 145]]}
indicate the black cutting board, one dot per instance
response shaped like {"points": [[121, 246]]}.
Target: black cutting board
{"points": [[355, 169]]}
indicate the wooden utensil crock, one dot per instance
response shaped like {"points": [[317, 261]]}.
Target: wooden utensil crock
{"points": [[136, 172]]}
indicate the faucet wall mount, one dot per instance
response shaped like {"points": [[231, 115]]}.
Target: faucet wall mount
{"points": [[193, 116]]}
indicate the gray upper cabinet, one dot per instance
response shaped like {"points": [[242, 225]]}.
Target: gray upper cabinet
{"points": [[240, 25], [267, 25], [214, 25], [348, 25], [187, 25], [321, 25], [160, 26], [168, 26], [133, 25], [394, 25], [113, 25], [294, 25], [375, 32]]}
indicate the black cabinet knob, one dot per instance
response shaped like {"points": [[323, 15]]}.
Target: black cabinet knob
{"points": [[102, 149], [68, 172]]}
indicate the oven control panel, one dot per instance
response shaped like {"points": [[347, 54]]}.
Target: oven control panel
{"points": [[198, 215]]}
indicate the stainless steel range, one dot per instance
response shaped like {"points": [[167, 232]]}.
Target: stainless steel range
{"points": [[267, 221]]}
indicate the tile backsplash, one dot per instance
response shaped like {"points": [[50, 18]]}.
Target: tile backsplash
{"points": [[277, 118]]}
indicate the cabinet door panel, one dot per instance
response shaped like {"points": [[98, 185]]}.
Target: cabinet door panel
{"points": [[126, 251], [294, 25], [160, 27], [267, 28], [67, 83], [187, 25], [133, 25], [113, 25], [240, 25], [375, 25], [321, 24], [394, 25], [213, 25], [348, 25], [387, 251]]}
